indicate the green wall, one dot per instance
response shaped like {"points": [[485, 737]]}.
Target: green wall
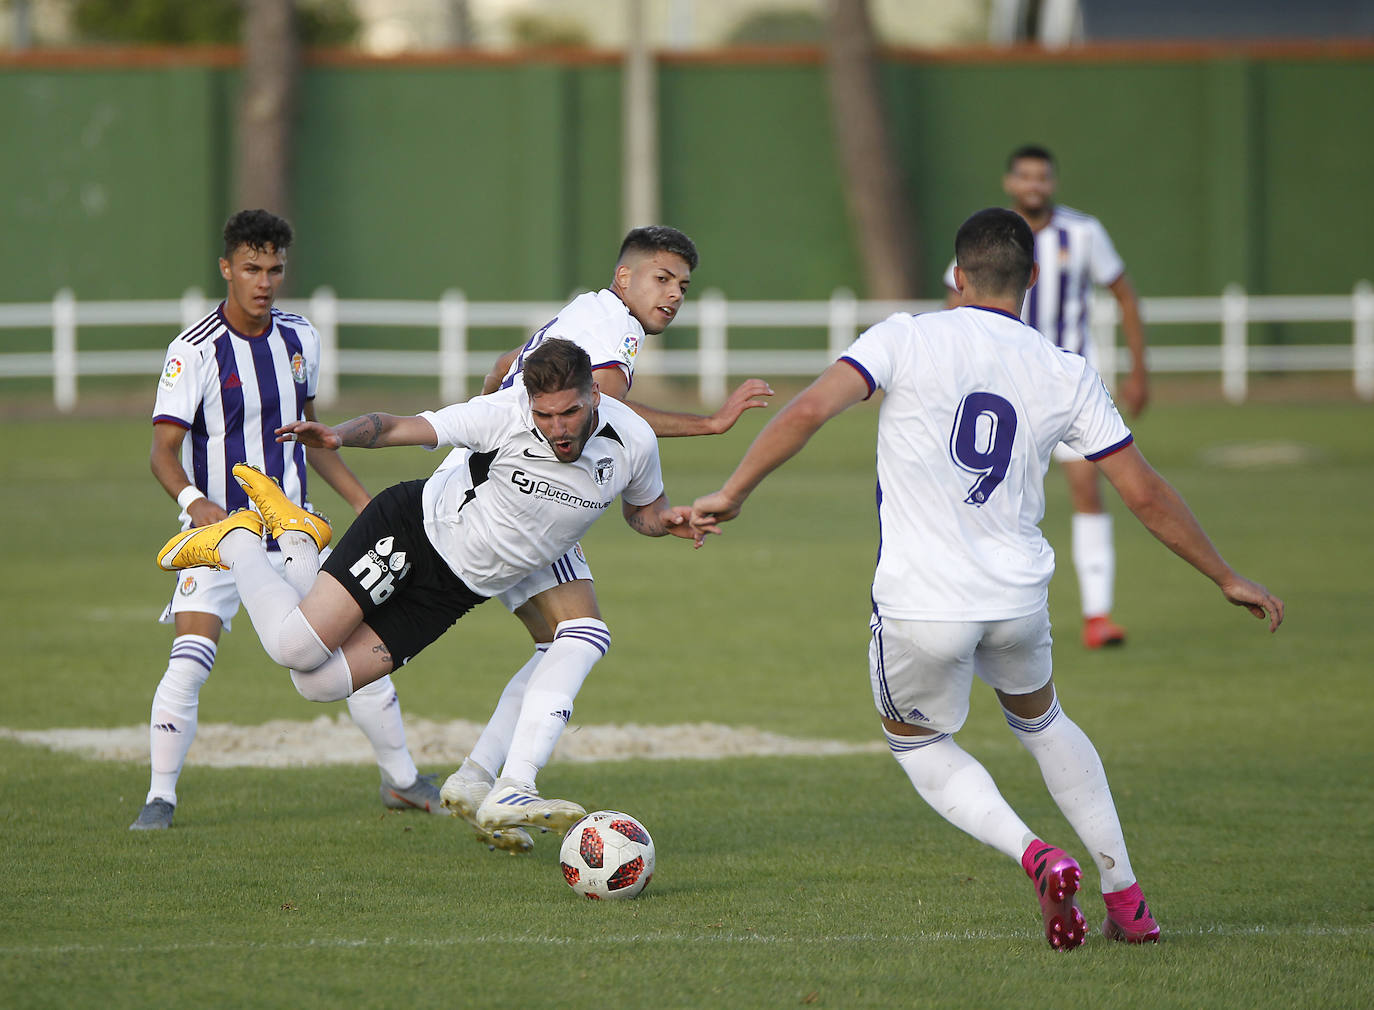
{"points": [[502, 178]]}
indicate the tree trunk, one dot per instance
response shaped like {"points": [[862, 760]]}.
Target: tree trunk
{"points": [[271, 60], [873, 186]]}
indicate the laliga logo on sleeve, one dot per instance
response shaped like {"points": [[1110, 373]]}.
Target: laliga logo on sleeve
{"points": [[630, 347], [171, 372], [298, 368]]}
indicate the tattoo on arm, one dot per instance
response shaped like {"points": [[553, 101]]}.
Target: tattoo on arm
{"points": [[362, 432], [645, 522]]}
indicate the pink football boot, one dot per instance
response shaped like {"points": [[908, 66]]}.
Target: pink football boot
{"points": [[1056, 876]]}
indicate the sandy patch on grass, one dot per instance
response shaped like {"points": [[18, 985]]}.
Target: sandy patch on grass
{"points": [[327, 741]]}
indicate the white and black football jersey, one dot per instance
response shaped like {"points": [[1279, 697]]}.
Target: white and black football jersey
{"points": [[511, 507]]}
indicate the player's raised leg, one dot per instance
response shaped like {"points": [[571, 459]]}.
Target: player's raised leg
{"points": [[289, 637]]}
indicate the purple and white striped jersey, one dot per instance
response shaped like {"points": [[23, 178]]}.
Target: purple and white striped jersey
{"points": [[1074, 253], [231, 392], [600, 324]]}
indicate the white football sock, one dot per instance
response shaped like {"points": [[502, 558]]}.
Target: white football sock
{"points": [[271, 601], [172, 726], [489, 752], [377, 711], [1076, 780], [300, 561], [960, 790], [1094, 558], [548, 701]]}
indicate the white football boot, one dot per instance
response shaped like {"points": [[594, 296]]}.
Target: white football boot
{"points": [[462, 795], [511, 803]]}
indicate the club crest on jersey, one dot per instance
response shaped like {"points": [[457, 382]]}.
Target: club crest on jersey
{"points": [[188, 584], [603, 471], [577, 550], [171, 372], [298, 368], [630, 346]]}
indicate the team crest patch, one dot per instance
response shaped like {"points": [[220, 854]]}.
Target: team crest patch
{"points": [[629, 347], [603, 471], [188, 584], [577, 551], [298, 368], [171, 372]]}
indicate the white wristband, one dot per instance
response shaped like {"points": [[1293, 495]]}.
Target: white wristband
{"points": [[190, 493]]}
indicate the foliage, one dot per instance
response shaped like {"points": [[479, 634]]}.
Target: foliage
{"points": [[779, 27], [203, 22], [536, 30]]}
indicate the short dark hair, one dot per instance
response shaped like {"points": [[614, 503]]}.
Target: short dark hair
{"points": [[257, 229], [1035, 151], [555, 365], [996, 251], [659, 238]]}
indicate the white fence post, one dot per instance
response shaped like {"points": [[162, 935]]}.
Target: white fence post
{"points": [[324, 315], [192, 306], [1103, 317], [453, 346], [712, 355], [64, 350], [1235, 310], [1363, 349], [844, 321]]}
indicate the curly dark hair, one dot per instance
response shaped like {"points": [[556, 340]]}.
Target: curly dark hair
{"points": [[256, 229], [659, 238]]}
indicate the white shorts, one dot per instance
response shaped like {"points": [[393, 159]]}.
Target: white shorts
{"points": [[570, 566], [211, 591], [922, 671]]}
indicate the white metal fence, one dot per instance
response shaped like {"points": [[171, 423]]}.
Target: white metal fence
{"points": [[1231, 356]]}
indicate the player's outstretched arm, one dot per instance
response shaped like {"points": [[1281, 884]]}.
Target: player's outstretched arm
{"points": [[1164, 513], [674, 424], [368, 431], [336, 473], [659, 518], [838, 388]]}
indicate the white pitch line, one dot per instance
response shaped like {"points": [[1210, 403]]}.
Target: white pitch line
{"points": [[661, 937], [285, 743]]}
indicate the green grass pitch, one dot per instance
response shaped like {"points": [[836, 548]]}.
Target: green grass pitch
{"points": [[1241, 763]]}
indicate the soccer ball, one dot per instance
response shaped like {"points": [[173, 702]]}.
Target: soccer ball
{"points": [[607, 854]]}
